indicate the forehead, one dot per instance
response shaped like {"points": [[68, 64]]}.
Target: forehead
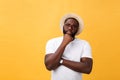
{"points": [[71, 20]]}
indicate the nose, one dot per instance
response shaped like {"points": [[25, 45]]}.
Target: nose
{"points": [[69, 27]]}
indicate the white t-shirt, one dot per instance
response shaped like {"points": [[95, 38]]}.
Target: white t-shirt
{"points": [[74, 51]]}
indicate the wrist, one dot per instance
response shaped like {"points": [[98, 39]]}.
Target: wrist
{"points": [[64, 44]]}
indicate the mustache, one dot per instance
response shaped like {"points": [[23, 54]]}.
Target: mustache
{"points": [[69, 32]]}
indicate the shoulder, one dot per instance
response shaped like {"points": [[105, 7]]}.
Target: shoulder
{"points": [[53, 40], [84, 42]]}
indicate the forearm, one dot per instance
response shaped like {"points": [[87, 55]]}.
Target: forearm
{"points": [[78, 66], [52, 60]]}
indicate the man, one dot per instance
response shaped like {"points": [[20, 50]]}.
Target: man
{"points": [[67, 56]]}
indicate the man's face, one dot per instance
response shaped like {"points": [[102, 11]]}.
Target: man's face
{"points": [[70, 26]]}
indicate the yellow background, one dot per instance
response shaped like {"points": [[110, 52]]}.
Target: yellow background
{"points": [[26, 26]]}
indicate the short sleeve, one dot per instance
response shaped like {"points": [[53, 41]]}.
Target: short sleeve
{"points": [[87, 50], [49, 47]]}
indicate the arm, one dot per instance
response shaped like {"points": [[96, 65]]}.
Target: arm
{"points": [[52, 60], [84, 66]]}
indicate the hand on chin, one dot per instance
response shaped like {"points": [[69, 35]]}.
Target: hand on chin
{"points": [[70, 33]]}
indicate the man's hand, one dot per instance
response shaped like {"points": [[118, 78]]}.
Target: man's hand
{"points": [[67, 38]]}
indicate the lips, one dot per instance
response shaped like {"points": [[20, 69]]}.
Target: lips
{"points": [[69, 32]]}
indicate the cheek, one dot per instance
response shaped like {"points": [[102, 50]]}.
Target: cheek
{"points": [[75, 30], [64, 29]]}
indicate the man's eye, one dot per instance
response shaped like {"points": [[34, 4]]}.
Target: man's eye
{"points": [[75, 26], [67, 24]]}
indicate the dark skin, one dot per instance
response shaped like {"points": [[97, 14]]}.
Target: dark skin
{"points": [[70, 28]]}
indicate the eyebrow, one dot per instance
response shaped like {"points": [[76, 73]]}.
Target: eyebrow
{"points": [[72, 25]]}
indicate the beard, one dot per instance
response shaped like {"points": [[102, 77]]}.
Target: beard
{"points": [[72, 34]]}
